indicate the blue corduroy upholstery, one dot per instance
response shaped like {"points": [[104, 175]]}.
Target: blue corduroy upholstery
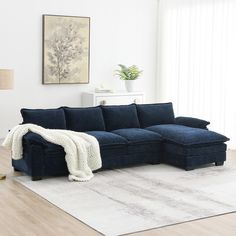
{"points": [[47, 118], [186, 135], [192, 122], [142, 142], [120, 117], [107, 138], [84, 119], [190, 162], [42, 158], [155, 114], [188, 147], [123, 143], [136, 135], [193, 150], [32, 138]]}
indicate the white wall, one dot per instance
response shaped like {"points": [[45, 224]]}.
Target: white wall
{"points": [[122, 31]]}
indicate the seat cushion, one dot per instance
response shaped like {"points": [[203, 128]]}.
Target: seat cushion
{"points": [[47, 118], [84, 119], [106, 138], [155, 114], [136, 135], [187, 135], [120, 117]]}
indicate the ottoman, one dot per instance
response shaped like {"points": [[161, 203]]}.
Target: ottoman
{"points": [[188, 147]]}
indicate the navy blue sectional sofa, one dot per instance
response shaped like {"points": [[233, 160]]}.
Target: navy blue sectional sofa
{"points": [[127, 135]]}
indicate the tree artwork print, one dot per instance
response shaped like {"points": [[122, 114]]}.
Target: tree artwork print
{"points": [[65, 49]]}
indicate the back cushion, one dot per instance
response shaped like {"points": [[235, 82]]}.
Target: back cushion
{"points": [[84, 119], [47, 118], [155, 114], [120, 117]]}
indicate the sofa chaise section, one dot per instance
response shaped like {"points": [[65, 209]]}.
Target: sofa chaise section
{"points": [[187, 143], [188, 147]]}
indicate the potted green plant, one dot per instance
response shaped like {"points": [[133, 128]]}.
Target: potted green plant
{"points": [[129, 75]]}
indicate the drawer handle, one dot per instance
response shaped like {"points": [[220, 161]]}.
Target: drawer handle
{"points": [[103, 102]]}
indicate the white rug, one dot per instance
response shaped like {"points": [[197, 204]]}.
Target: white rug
{"points": [[139, 198]]}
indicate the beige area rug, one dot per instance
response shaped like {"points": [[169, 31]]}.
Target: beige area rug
{"points": [[133, 199]]}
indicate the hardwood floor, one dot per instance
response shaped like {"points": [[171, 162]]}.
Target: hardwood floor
{"points": [[24, 213]]}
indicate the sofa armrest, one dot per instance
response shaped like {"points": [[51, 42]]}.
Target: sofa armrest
{"points": [[192, 122], [33, 138], [33, 162]]}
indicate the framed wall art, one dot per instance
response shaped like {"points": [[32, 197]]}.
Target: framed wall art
{"points": [[66, 42]]}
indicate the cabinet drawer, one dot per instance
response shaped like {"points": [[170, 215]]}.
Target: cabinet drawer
{"points": [[118, 100]]}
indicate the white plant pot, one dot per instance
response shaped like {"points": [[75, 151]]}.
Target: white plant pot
{"points": [[130, 85]]}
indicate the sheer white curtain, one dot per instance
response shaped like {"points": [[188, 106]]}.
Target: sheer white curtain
{"points": [[197, 60]]}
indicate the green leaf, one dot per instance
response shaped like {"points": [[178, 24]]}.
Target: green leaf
{"points": [[128, 73]]}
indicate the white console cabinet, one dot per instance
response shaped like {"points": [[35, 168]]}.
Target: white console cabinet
{"points": [[123, 98]]}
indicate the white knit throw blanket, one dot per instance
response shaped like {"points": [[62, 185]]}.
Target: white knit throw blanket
{"points": [[82, 150]]}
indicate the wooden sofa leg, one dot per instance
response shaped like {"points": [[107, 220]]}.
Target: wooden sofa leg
{"points": [[36, 178], [219, 163]]}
